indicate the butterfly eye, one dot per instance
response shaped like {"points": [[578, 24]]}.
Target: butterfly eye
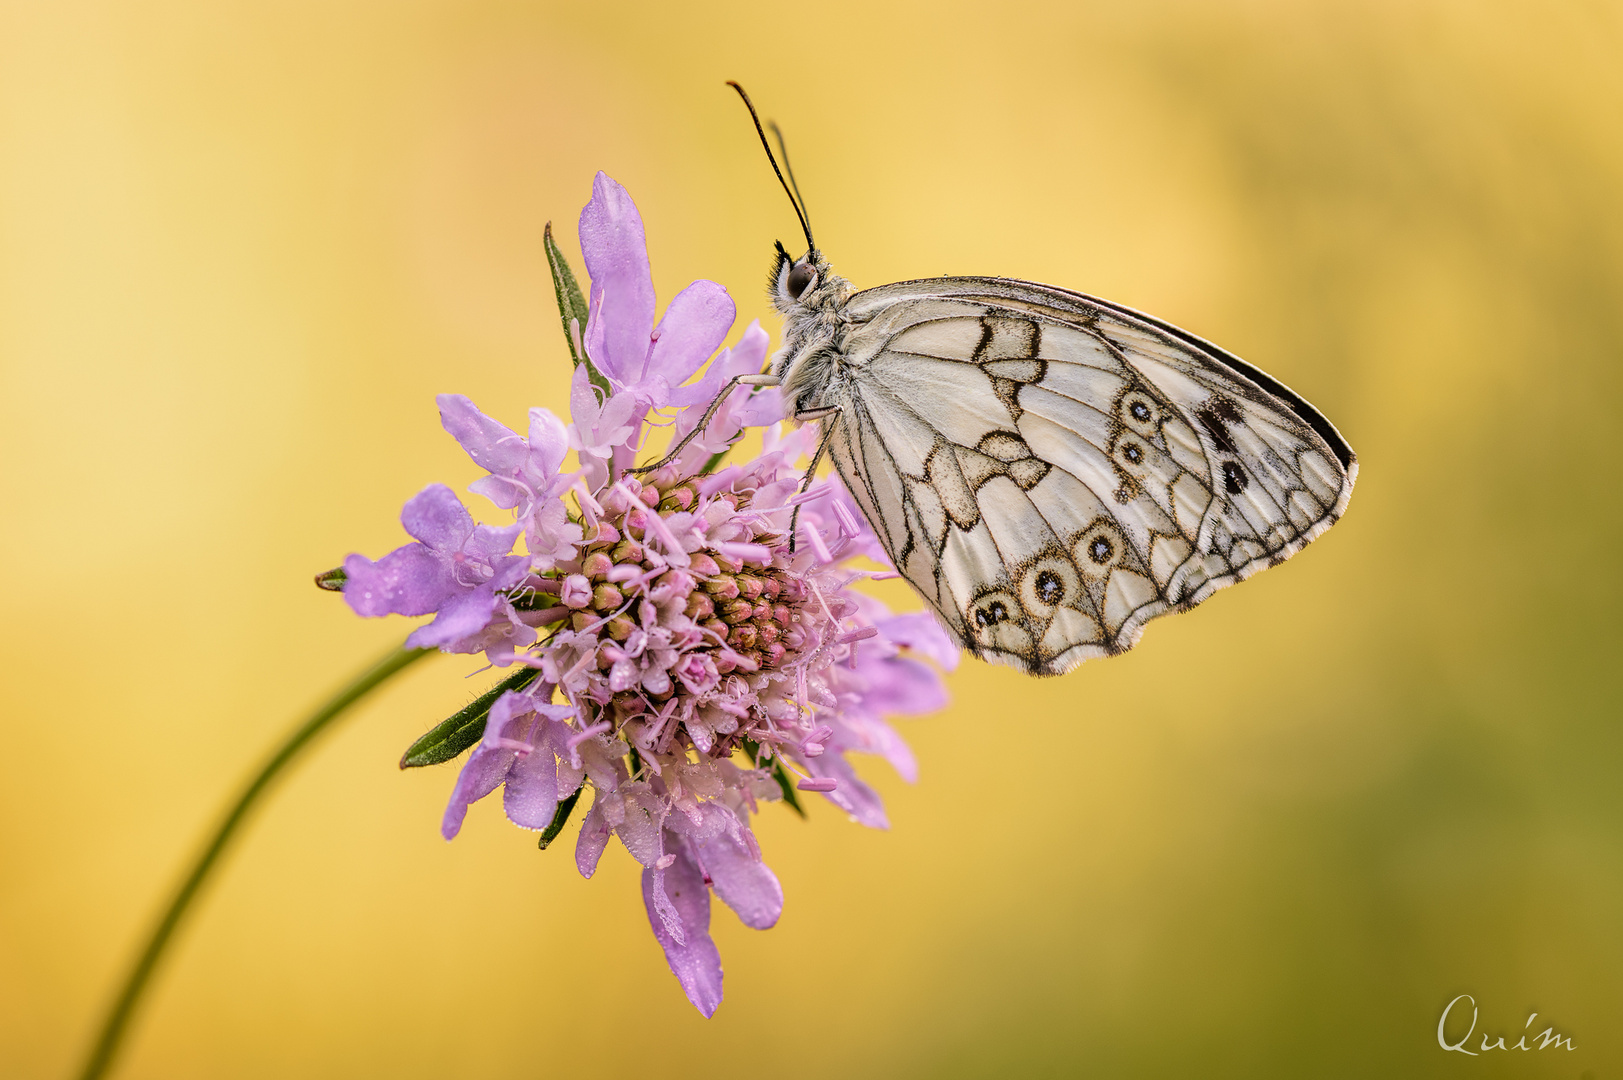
{"points": [[801, 276]]}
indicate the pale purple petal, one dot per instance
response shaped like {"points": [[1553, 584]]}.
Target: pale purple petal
{"points": [[693, 327], [481, 774], [410, 580], [531, 796], [585, 400], [745, 358], [903, 685], [741, 879], [622, 296], [493, 446], [490, 543], [549, 440], [880, 738], [593, 838], [922, 632], [763, 407], [853, 796], [437, 517], [694, 960], [461, 618]]}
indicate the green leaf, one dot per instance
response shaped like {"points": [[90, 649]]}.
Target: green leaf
{"points": [[332, 580], [779, 773], [561, 818], [571, 309], [466, 727]]}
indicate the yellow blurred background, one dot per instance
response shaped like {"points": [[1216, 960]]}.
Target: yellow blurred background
{"points": [[243, 246]]}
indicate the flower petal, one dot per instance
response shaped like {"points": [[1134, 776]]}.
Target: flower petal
{"points": [[593, 838], [531, 796], [693, 327], [902, 685], [549, 440], [489, 543], [853, 796], [693, 960], [437, 517], [410, 580], [922, 632], [740, 878], [622, 297], [461, 618], [494, 446], [481, 774]]}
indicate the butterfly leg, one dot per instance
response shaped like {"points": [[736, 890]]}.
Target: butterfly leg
{"points": [[704, 421], [811, 471]]}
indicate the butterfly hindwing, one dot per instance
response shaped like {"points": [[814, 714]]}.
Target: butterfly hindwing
{"points": [[1051, 472]]}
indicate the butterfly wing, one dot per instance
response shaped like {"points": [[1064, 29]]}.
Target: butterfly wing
{"points": [[1052, 471]]}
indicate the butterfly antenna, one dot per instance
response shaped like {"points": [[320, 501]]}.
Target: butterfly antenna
{"points": [[793, 194], [783, 151]]}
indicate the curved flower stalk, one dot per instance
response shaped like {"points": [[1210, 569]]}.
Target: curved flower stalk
{"points": [[671, 651]]}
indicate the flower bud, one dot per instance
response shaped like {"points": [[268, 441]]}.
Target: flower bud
{"points": [[606, 598], [703, 565], [716, 627], [620, 627], [737, 611], [580, 620], [722, 587], [749, 586], [780, 614], [680, 498], [743, 636], [576, 591], [700, 606], [771, 586], [626, 551], [596, 565]]}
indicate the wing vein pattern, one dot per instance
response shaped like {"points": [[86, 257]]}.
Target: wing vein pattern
{"points": [[1051, 471]]}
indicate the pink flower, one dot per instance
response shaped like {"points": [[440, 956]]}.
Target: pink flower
{"points": [[695, 662]]}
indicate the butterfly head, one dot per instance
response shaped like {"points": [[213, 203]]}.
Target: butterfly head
{"points": [[796, 284]]}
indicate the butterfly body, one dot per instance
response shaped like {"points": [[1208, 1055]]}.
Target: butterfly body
{"points": [[1047, 469]]}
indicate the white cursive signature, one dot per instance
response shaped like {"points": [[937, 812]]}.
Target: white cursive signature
{"points": [[1547, 1037]]}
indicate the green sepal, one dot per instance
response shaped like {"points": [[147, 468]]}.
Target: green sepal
{"points": [[466, 727], [571, 308], [779, 773], [560, 818], [333, 580]]}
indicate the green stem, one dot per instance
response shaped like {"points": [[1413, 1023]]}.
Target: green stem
{"points": [[118, 1017]]}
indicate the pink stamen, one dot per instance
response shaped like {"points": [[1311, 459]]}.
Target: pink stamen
{"points": [[847, 522], [857, 635], [824, 783], [759, 554], [815, 539], [586, 733]]}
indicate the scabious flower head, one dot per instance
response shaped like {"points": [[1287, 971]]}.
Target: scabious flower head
{"points": [[679, 656]]}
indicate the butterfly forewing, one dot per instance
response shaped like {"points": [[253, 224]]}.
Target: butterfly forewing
{"points": [[1051, 471]]}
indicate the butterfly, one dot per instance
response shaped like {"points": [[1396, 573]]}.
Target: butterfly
{"points": [[1047, 469]]}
